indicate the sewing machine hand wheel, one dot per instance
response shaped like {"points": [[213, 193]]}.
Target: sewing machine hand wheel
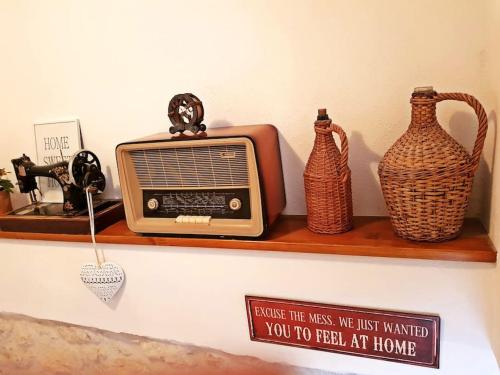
{"points": [[85, 170]]}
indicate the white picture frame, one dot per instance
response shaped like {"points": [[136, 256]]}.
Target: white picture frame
{"points": [[55, 141]]}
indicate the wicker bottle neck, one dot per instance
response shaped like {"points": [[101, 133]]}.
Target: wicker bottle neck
{"points": [[322, 126], [323, 134], [423, 113], [325, 156]]}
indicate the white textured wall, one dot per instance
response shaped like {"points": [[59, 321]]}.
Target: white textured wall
{"points": [[197, 296], [493, 215], [116, 64]]}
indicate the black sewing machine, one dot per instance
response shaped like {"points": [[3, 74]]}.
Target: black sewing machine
{"points": [[81, 173]]}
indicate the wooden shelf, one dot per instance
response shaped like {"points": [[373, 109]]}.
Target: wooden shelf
{"points": [[372, 236]]}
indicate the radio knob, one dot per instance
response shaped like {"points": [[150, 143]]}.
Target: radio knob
{"points": [[235, 204], [153, 204]]}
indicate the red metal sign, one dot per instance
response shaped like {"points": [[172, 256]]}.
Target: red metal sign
{"points": [[388, 335]]}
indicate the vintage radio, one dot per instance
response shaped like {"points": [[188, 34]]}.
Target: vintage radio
{"points": [[227, 182]]}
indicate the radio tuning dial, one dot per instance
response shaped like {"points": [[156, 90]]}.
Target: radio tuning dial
{"points": [[153, 204], [235, 204]]}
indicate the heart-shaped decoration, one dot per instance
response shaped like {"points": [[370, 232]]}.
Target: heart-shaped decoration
{"points": [[104, 281]]}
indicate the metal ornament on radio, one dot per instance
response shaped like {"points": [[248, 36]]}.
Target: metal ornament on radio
{"points": [[327, 180], [427, 176], [186, 112]]}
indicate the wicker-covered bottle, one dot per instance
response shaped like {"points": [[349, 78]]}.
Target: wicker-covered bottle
{"points": [[426, 176], [327, 180]]}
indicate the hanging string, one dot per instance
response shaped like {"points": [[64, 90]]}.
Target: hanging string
{"points": [[98, 253]]}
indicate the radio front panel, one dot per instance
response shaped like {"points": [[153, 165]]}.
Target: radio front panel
{"points": [[216, 203], [198, 186]]}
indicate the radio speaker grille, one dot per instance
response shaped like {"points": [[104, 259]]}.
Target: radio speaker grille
{"points": [[206, 166]]}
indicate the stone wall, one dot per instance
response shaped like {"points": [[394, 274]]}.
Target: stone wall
{"points": [[31, 346]]}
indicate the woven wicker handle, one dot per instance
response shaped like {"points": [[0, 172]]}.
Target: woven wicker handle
{"points": [[344, 147], [481, 116]]}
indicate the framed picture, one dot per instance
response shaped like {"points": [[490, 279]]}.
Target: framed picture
{"points": [[55, 142]]}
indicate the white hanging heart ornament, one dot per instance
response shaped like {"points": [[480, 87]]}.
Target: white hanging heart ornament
{"points": [[104, 281]]}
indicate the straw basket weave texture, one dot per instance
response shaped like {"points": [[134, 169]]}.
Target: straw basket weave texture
{"points": [[426, 176], [327, 180]]}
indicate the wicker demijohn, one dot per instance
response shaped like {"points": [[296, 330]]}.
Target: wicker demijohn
{"points": [[327, 180], [426, 176]]}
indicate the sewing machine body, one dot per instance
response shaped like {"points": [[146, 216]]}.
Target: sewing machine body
{"points": [[81, 173]]}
